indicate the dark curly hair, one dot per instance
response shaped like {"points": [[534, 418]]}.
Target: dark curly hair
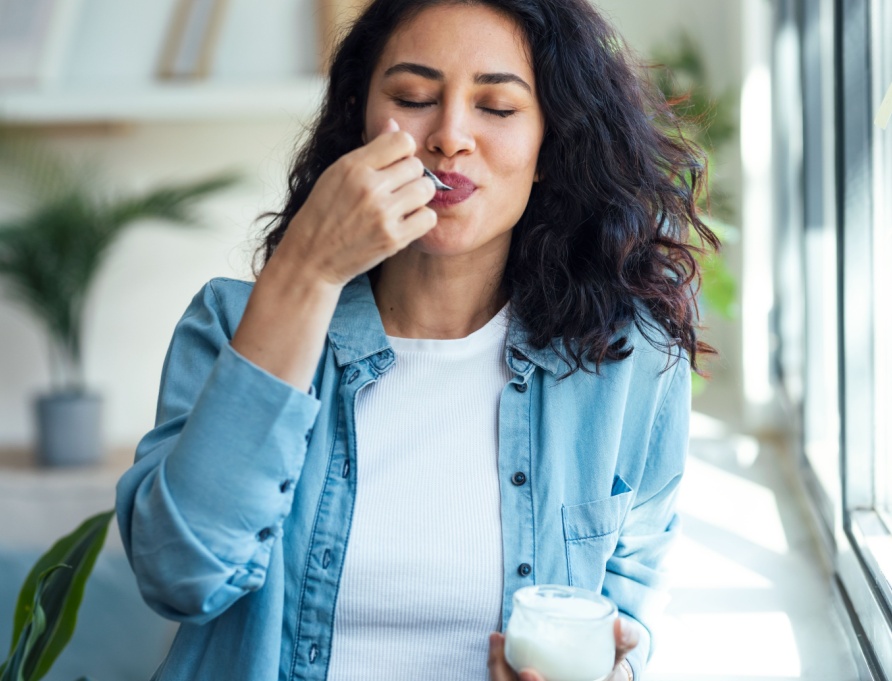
{"points": [[605, 240]]}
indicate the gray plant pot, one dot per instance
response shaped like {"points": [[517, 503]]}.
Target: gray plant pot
{"points": [[68, 429]]}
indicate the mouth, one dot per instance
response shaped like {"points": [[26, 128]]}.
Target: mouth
{"points": [[462, 188]]}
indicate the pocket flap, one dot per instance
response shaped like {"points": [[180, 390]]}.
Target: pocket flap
{"points": [[599, 517]]}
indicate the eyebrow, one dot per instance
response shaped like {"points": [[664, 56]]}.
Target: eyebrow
{"points": [[436, 74]]}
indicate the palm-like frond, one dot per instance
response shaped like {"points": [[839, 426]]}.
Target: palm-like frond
{"points": [[30, 173], [50, 254], [175, 203]]}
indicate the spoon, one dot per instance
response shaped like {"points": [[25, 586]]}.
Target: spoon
{"points": [[436, 180]]}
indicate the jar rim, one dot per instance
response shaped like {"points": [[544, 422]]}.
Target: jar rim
{"points": [[544, 598]]}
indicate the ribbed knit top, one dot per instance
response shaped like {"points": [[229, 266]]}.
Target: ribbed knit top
{"points": [[421, 587]]}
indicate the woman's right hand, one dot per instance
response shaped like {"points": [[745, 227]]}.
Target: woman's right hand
{"points": [[367, 206]]}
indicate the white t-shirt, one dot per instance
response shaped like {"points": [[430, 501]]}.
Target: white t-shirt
{"points": [[421, 587]]}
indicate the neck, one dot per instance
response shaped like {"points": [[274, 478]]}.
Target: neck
{"points": [[424, 296]]}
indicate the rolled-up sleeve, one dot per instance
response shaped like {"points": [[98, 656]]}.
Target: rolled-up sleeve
{"points": [[635, 577], [214, 480]]}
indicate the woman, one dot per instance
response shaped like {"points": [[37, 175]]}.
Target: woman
{"points": [[480, 389]]}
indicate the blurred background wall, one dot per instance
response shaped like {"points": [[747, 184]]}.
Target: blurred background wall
{"points": [[101, 97]]}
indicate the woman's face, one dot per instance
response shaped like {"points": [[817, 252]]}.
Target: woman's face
{"points": [[458, 78]]}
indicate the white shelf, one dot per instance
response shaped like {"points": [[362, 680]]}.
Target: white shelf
{"points": [[162, 102]]}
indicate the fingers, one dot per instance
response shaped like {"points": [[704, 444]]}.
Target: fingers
{"points": [[401, 173], [418, 224], [498, 667], [388, 147], [626, 636], [409, 198]]}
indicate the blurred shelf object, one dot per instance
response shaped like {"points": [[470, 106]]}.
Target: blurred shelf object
{"points": [[34, 34], [298, 98], [191, 39], [89, 62]]}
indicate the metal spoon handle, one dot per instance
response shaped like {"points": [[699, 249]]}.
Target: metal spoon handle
{"points": [[436, 180]]}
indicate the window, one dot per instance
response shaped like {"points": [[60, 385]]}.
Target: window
{"points": [[834, 232]]}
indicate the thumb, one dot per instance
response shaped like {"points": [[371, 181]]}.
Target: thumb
{"points": [[390, 126]]}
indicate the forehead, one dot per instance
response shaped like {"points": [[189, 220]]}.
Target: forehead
{"points": [[476, 37]]}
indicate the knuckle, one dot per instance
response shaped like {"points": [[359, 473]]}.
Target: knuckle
{"points": [[352, 169], [424, 190], [366, 191], [389, 241], [406, 140], [381, 216], [430, 191]]}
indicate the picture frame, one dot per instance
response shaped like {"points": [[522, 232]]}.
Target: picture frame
{"points": [[189, 47], [26, 30]]}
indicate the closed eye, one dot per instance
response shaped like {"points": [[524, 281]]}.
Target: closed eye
{"points": [[501, 113], [409, 104]]}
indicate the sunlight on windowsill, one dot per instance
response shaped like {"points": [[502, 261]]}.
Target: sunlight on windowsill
{"points": [[750, 597]]}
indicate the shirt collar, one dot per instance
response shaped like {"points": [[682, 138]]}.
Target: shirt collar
{"points": [[356, 332]]}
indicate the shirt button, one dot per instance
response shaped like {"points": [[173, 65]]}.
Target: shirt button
{"points": [[518, 478], [520, 387], [524, 569], [314, 651], [285, 486], [264, 534]]}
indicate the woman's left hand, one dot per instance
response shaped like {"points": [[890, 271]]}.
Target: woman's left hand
{"points": [[499, 669]]}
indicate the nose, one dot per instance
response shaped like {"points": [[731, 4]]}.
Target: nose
{"points": [[452, 133]]}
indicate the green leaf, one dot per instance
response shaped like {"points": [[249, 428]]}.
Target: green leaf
{"points": [[14, 668], [57, 593]]}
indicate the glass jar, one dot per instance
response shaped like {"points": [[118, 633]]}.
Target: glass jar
{"points": [[564, 633]]}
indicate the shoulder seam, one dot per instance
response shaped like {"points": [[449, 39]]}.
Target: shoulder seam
{"points": [[681, 360], [219, 311]]}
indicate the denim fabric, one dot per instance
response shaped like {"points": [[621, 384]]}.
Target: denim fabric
{"points": [[237, 511]]}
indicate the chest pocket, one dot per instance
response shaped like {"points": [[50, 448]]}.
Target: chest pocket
{"points": [[591, 531]]}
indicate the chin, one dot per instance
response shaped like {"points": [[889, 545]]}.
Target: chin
{"points": [[443, 242]]}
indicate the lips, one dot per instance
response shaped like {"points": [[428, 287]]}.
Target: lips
{"points": [[462, 188]]}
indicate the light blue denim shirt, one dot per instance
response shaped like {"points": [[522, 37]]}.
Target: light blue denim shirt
{"points": [[236, 514]]}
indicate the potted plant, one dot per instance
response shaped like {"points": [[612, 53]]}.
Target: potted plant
{"points": [[708, 119], [63, 221]]}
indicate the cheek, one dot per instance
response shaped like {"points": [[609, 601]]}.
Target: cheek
{"points": [[515, 154]]}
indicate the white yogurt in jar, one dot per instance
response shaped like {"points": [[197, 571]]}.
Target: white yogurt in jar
{"points": [[564, 633]]}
